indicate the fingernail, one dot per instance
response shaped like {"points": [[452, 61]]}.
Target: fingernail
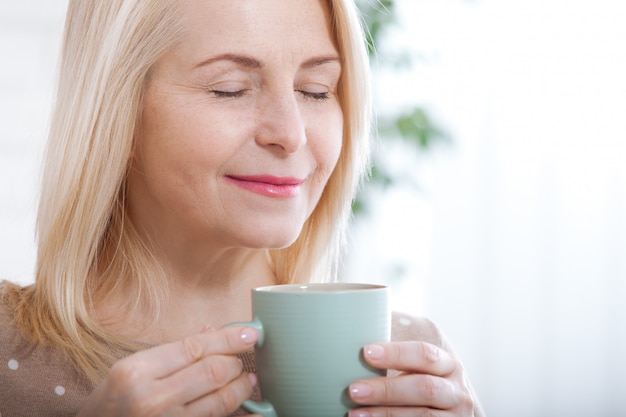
{"points": [[374, 351], [253, 379], [360, 391], [249, 335], [359, 413]]}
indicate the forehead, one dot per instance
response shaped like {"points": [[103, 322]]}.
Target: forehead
{"points": [[268, 26]]}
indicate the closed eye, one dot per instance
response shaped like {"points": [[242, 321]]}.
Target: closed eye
{"points": [[315, 96], [228, 94]]}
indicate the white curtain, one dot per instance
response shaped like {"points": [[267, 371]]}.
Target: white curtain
{"points": [[518, 230]]}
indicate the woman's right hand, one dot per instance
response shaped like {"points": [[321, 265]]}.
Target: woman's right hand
{"points": [[198, 376]]}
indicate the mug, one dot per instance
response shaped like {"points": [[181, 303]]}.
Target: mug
{"points": [[310, 345]]}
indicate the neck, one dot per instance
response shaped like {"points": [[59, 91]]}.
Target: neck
{"points": [[199, 294]]}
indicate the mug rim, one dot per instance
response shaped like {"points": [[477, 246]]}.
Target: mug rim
{"points": [[319, 288]]}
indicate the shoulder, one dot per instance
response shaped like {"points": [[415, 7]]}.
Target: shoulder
{"points": [[7, 313], [9, 332], [35, 379], [405, 327]]}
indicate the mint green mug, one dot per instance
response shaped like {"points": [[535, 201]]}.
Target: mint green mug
{"points": [[310, 345]]}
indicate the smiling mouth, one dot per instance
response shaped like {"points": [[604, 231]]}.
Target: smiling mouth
{"points": [[268, 185]]}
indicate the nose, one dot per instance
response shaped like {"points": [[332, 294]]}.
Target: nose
{"points": [[281, 126]]}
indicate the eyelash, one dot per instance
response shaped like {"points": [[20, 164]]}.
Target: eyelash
{"points": [[240, 93], [229, 94], [315, 96]]}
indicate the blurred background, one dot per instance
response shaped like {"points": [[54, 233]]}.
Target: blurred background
{"points": [[497, 205]]}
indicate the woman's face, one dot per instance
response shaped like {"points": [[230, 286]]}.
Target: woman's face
{"points": [[241, 126]]}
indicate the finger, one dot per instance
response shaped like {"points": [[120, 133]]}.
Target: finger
{"points": [[419, 390], [224, 401], [162, 361], [410, 356], [399, 412], [200, 379]]}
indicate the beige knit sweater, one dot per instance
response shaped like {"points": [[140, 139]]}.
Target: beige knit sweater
{"points": [[38, 381]]}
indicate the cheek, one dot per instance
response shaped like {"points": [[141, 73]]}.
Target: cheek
{"points": [[174, 138], [330, 143]]}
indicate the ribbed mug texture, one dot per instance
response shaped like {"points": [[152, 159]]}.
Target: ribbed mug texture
{"points": [[313, 337]]}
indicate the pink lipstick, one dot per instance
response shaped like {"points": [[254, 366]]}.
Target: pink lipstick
{"points": [[268, 185]]}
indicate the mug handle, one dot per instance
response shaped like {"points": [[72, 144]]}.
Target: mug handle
{"points": [[258, 407], [255, 323]]}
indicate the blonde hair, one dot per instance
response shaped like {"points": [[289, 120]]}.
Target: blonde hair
{"points": [[316, 254], [87, 246]]}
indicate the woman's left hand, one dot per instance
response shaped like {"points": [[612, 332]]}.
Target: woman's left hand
{"points": [[425, 381]]}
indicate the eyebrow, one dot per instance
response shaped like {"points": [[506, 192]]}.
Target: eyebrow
{"points": [[243, 60], [250, 62], [317, 61]]}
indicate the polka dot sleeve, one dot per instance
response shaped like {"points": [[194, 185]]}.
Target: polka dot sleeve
{"points": [[35, 380]]}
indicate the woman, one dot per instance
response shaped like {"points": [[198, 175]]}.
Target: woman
{"points": [[198, 149]]}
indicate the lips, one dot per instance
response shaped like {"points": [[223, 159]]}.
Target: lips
{"points": [[268, 185]]}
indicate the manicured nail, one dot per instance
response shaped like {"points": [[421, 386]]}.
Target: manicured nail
{"points": [[374, 351], [253, 379], [359, 413], [249, 335], [359, 391]]}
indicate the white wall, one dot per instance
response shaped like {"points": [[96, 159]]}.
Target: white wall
{"points": [[525, 214], [29, 43], [515, 242]]}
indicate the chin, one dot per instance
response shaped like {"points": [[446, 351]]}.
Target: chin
{"points": [[266, 238]]}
